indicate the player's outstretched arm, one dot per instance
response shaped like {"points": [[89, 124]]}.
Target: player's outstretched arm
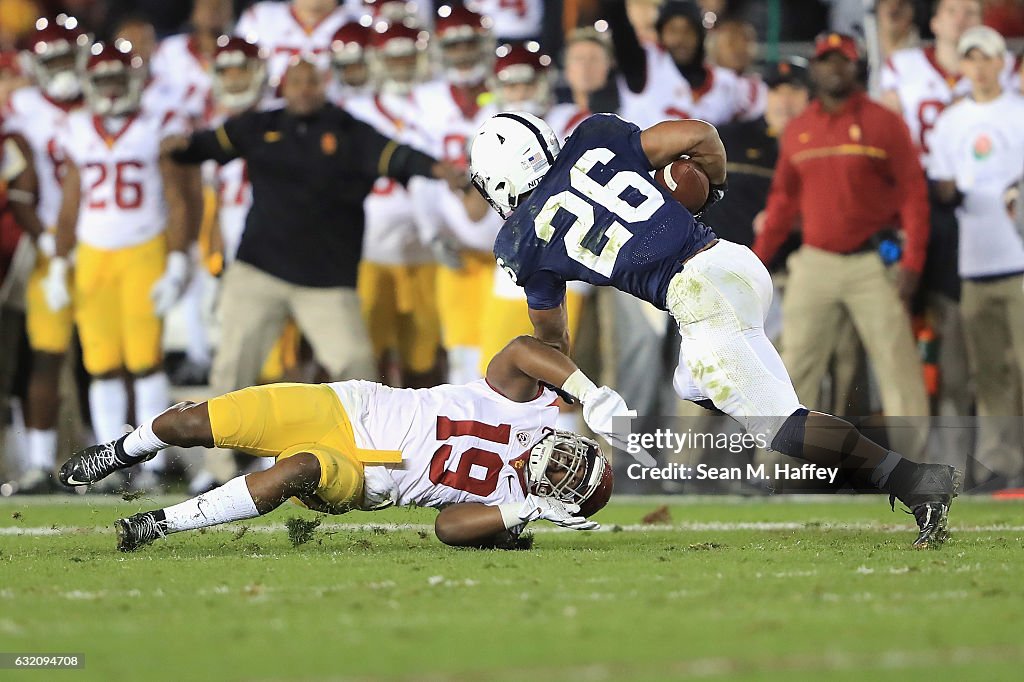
{"points": [[517, 368], [551, 326], [472, 524], [665, 142]]}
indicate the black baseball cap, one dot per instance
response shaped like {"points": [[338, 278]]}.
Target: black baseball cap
{"points": [[791, 71]]}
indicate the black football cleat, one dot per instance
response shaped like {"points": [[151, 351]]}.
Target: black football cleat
{"points": [[140, 529], [96, 462], [930, 496]]}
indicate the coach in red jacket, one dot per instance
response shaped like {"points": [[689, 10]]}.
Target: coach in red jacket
{"points": [[848, 168]]}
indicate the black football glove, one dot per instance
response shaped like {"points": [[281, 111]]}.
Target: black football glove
{"points": [[715, 194]]}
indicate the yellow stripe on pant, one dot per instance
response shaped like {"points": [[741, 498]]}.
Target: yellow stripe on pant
{"points": [[282, 420]]}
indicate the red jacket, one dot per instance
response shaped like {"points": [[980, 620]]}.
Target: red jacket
{"points": [[848, 174]]}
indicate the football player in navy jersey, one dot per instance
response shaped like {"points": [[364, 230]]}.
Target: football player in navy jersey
{"points": [[592, 212]]}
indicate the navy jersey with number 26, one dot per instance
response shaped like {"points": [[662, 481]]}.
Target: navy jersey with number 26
{"points": [[599, 217]]}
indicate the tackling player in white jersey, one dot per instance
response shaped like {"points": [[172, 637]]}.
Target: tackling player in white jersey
{"points": [[397, 275], [126, 210], [290, 29], [35, 115], [485, 453]]}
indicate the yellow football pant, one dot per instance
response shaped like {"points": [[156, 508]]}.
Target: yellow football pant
{"points": [[503, 319], [116, 322], [400, 308], [461, 297]]}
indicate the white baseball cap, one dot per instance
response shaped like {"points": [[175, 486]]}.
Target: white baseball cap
{"points": [[985, 39]]}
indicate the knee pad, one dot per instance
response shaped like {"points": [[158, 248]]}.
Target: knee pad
{"points": [[790, 436]]}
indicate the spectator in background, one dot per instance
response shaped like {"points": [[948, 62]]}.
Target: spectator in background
{"points": [[847, 166], [588, 66], [896, 28], [643, 15], [733, 46], [978, 151], [671, 79]]}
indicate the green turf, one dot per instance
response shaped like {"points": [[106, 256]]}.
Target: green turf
{"points": [[838, 596]]}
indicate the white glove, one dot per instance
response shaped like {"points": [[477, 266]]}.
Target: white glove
{"points": [[446, 252], [548, 509], [601, 407], [55, 284], [46, 244], [171, 284]]}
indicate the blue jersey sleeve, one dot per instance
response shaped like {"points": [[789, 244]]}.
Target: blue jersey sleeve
{"points": [[544, 290]]}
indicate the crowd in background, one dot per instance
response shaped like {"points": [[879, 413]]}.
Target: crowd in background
{"points": [[875, 153]]}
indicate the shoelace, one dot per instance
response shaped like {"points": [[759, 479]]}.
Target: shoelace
{"points": [[101, 462], [148, 527]]}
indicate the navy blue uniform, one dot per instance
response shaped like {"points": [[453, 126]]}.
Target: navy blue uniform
{"points": [[599, 217]]}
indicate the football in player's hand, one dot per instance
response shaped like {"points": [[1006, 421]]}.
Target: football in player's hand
{"points": [[686, 182]]}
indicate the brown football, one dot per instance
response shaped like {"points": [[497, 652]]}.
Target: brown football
{"points": [[686, 182]]}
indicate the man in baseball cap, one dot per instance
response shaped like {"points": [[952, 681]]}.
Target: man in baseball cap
{"points": [[826, 43], [982, 38]]}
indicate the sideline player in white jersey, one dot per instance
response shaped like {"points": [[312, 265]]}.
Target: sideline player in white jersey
{"points": [[920, 82], [291, 29], [485, 453], [36, 114], [449, 111], [239, 79], [397, 274], [521, 82], [671, 79], [349, 65], [186, 59], [125, 208]]}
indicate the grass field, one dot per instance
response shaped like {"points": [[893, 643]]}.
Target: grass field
{"points": [[729, 589]]}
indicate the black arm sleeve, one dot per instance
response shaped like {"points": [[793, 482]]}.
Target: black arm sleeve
{"points": [[384, 157], [222, 144], [629, 53]]}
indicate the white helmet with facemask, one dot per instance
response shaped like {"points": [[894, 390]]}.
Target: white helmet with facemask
{"points": [[510, 155]]}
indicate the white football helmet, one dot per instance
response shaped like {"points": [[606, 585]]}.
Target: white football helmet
{"points": [[509, 156]]}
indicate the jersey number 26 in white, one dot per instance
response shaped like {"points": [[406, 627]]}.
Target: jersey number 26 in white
{"points": [[607, 196]]}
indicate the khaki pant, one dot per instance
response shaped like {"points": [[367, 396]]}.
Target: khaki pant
{"points": [[253, 309], [824, 288], [993, 314]]}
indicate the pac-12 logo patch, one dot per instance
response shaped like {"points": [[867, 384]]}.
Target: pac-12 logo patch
{"points": [[523, 438]]}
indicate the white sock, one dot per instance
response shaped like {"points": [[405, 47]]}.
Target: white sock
{"points": [[152, 396], [463, 364], [230, 502], [142, 442], [108, 403], [42, 449]]}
